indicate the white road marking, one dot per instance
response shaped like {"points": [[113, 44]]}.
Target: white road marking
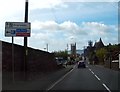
{"points": [[92, 72], [59, 80], [106, 87], [97, 77], [99, 80], [89, 69]]}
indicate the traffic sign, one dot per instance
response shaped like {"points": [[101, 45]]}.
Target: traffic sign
{"points": [[20, 29]]}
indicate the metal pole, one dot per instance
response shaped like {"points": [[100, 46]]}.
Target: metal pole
{"points": [[47, 47], [25, 39], [84, 52], [13, 58], [67, 48]]}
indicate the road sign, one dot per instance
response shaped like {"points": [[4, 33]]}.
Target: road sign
{"points": [[20, 29]]}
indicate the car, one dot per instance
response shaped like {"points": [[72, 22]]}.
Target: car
{"points": [[81, 64]]}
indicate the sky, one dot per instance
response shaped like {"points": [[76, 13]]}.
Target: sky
{"points": [[61, 22]]}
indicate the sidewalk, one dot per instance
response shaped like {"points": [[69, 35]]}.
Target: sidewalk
{"points": [[42, 83]]}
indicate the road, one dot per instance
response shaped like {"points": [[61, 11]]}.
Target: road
{"points": [[92, 77]]}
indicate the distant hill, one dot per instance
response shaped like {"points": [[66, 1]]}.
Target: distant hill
{"points": [[77, 51]]}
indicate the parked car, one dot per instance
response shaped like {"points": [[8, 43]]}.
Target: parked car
{"points": [[81, 64]]}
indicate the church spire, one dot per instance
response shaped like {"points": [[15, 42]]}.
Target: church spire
{"points": [[100, 40]]}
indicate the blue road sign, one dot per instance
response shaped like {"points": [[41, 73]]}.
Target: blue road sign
{"points": [[21, 30], [12, 31]]}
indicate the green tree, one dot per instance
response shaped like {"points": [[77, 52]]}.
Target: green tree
{"points": [[101, 53], [90, 43], [63, 54]]}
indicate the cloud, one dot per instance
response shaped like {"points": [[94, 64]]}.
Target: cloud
{"points": [[95, 28], [85, 28], [67, 27], [10, 7], [47, 25], [90, 0], [38, 4], [68, 32], [13, 10]]}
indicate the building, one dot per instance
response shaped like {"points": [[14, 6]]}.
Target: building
{"points": [[73, 50], [98, 44]]}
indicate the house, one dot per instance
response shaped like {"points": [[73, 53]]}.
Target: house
{"points": [[98, 44]]}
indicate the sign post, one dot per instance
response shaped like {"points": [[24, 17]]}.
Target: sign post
{"points": [[25, 40], [119, 61], [19, 29], [13, 63]]}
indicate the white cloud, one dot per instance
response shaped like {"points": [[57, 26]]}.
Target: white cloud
{"points": [[91, 28], [13, 10], [47, 25], [71, 32], [95, 28], [67, 27], [70, 26], [38, 4], [56, 34], [10, 7], [90, 0]]}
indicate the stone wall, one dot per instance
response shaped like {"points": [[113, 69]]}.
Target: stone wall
{"points": [[112, 65], [0, 65], [37, 61]]}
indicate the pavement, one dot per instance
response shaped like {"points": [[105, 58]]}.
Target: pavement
{"points": [[42, 82]]}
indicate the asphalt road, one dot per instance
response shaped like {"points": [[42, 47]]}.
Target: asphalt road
{"points": [[93, 77]]}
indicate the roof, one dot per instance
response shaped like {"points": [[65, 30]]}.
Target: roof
{"points": [[99, 44]]}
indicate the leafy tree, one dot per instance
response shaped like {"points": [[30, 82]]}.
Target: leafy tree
{"points": [[90, 43], [63, 54], [91, 56], [101, 53]]}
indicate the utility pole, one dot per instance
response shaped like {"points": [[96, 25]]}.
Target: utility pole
{"points": [[25, 40]]}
